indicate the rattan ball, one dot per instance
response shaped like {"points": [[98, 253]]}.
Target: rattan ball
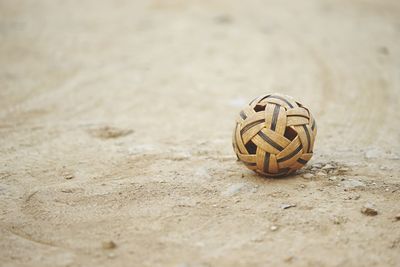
{"points": [[274, 135]]}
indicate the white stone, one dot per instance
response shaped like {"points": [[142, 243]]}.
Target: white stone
{"points": [[328, 167], [273, 228], [308, 175]]}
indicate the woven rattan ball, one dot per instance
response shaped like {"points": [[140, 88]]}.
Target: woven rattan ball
{"points": [[274, 135]]}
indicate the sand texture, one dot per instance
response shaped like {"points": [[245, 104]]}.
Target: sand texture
{"points": [[115, 133]]}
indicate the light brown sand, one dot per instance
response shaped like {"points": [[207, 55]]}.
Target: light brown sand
{"points": [[116, 120]]}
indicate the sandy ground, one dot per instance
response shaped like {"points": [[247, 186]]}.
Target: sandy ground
{"points": [[116, 120]]}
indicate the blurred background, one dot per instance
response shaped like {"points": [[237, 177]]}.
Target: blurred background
{"points": [[116, 120]]}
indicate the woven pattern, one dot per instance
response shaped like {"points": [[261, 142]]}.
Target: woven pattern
{"points": [[274, 135]]}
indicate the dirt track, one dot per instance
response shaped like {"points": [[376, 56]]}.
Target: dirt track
{"points": [[116, 123]]}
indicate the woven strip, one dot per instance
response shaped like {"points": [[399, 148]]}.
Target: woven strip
{"points": [[274, 135]]}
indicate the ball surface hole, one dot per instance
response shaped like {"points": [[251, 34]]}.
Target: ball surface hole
{"points": [[290, 133], [251, 147]]}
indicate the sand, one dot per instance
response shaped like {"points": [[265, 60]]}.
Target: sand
{"points": [[115, 133]]}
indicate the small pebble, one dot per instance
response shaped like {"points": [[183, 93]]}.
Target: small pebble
{"points": [[356, 197], [317, 165], [273, 228], [109, 244], [288, 259], [369, 210], [308, 175], [67, 190], [333, 178], [328, 167], [254, 190], [336, 220], [321, 174], [397, 217], [287, 206]]}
